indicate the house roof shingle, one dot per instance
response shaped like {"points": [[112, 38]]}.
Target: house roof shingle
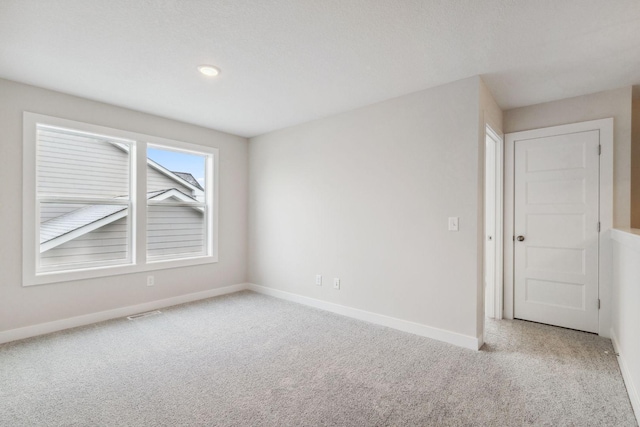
{"points": [[189, 178]]}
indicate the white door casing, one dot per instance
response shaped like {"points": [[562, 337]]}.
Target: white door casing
{"points": [[561, 262], [493, 227], [556, 226], [489, 227]]}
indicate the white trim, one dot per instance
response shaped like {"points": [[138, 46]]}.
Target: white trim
{"points": [[87, 319], [212, 193], [454, 338], [632, 390], [605, 127], [499, 219]]}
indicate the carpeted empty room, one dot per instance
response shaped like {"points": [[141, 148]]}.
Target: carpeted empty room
{"points": [[358, 213], [247, 359]]}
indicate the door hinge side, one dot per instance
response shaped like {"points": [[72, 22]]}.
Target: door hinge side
{"points": [[598, 226], [598, 303], [600, 150]]}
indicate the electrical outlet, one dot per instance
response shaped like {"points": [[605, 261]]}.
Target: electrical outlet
{"points": [[150, 281], [336, 283], [319, 279]]}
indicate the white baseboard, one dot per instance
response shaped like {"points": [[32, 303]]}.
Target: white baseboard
{"points": [[378, 319], [87, 319], [632, 390]]}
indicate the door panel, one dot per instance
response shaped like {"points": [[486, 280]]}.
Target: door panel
{"points": [[556, 211], [555, 192], [554, 293], [556, 260]]}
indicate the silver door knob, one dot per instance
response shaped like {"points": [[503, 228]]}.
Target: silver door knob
{"points": [[520, 238]]}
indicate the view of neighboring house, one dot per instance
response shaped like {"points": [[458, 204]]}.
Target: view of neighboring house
{"points": [[72, 233]]}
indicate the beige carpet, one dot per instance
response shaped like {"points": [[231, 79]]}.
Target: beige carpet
{"points": [[250, 360]]}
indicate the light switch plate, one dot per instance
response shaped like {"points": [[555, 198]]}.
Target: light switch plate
{"points": [[453, 223]]}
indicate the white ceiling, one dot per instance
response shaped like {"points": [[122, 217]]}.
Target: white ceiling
{"points": [[285, 62]]}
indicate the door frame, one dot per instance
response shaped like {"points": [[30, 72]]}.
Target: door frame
{"points": [[605, 128], [498, 298]]}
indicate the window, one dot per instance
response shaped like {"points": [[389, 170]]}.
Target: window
{"points": [[176, 204], [100, 201], [83, 192]]}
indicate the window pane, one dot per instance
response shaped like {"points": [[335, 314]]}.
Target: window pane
{"points": [[175, 232], [176, 177], [182, 171], [81, 165], [84, 235]]}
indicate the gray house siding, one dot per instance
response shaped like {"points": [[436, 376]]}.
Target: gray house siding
{"points": [[175, 231], [73, 165], [106, 243], [171, 231], [80, 166], [158, 181]]}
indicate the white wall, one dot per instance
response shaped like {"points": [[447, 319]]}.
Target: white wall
{"points": [[365, 196], [492, 114], [626, 309], [23, 306], [612, 103], [635, 162]]}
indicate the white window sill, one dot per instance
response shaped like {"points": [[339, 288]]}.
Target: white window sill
{"points": [[107, 271]]}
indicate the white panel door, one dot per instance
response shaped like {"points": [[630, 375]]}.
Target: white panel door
{"points": [[556, 230]]}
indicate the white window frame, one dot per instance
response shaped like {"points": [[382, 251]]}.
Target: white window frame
{"points": [[90, 200], [138, 215], [203, 205]]}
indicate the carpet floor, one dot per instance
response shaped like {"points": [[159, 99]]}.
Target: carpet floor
{"points": [[246, 359]]}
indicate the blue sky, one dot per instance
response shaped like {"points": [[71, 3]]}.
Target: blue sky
{"points": [[179, 162]]}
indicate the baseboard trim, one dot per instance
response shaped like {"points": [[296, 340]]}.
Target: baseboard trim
{"points": [[87, 319], [378, 319], [632, 391]]}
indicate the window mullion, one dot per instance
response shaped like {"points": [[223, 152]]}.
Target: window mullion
{"points": [[139, 176]]}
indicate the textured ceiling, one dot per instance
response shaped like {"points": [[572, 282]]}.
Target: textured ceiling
{"points": [[285, 62]]}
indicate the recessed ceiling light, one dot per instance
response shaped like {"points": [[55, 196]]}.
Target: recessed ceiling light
{"points": [[208, 70]]}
